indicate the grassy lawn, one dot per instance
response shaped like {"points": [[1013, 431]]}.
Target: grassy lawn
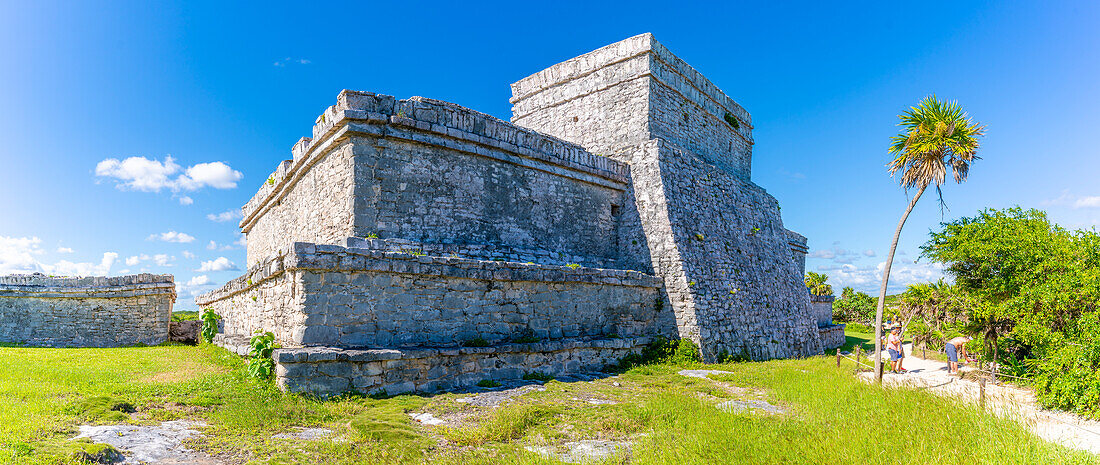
{"points": [[831, 417]]}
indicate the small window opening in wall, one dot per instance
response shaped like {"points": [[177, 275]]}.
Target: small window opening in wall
{"points": [[616, 210], [575, 119]]}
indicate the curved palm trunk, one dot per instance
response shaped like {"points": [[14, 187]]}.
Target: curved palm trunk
{"points": [[885, 280]]}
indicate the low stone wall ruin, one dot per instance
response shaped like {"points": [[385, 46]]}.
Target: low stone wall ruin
{"points": [[327, 295], [330, 371], [40, 310]]}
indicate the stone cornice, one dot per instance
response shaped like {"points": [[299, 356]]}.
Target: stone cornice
{"points": [[42, 286], [320, 257]]}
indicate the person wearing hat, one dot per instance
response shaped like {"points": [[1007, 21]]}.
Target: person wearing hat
{"points": [[893, 346], [953, 347]]}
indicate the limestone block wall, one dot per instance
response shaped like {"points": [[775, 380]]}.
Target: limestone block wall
{"points": [[39, 310], [323, 295], [832, 336], [330, 371], [725, 256], [822, 309], [799, 249], [630, 92], [436, 173]]}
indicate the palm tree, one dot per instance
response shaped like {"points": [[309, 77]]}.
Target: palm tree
{"points": [[817, 283], [935, 136]]}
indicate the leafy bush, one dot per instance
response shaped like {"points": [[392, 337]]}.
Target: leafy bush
{"points": [[538, 376], [662, 350], [854, 306], [209, 325], [527, 336], [260, 364], [475, 342], [488, 383]]}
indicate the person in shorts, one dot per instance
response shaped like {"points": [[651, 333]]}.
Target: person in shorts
{"points": [[953, 347], [893, 347]]}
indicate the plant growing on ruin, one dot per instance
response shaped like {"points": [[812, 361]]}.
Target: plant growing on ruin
{"points": [[538, 376], [488, 383], [271, 180], [573, 266], [526, 336], [935, 136], [260, 364], [371, 236], [732, 121], [475, 342], [700, 236], [209, 325]]}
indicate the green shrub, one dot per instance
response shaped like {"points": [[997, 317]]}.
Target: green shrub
{"points": [[209, 325], [663, 350], [537, 376], [260, 364], [488, 383], [526, 336], [475, 342]]}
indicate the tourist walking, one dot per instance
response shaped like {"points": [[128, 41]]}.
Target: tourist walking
{"points": [[893, 346]]}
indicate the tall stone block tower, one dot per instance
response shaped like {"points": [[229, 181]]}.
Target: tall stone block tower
{"points": [[732, 271]]}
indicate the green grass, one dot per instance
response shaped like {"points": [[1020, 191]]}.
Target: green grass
{"points": [[832, 417]]}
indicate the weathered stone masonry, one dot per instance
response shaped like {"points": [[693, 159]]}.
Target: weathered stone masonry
{"points": [[616, 206], [38, 310]]}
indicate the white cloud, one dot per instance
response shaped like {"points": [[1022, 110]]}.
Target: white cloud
{"points": [[836, 254], [242, 241], [143, 174], [188, 255], [163, 259], [185, 200], [133, 261], [67, 268], [224, 216], [291, 61], [869, 253], [1073, 201], [212, 246], [217, 175], [18, 255], [1087, 202], [196, 285], [172, 236], [64, 250], [218, 264], [869, 278]]}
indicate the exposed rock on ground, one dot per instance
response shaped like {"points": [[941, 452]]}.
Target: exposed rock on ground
{"points": [[150, 444], [586, 451], [305, 434], [738, 406], [498, 397]]}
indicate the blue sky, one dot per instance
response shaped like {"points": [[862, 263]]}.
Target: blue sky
{"points": [[213, 95]]}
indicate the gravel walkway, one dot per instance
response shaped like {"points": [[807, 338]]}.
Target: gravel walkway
{"points": [[1004, 400]]}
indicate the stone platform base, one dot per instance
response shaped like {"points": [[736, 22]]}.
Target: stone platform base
{"points": [[832, 336], [328, 371]]}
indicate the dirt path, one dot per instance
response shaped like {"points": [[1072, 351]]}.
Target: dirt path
{"points": [[1003, 400]]}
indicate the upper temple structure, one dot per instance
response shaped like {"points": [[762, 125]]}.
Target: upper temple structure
{"points": [[416, 245]]}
